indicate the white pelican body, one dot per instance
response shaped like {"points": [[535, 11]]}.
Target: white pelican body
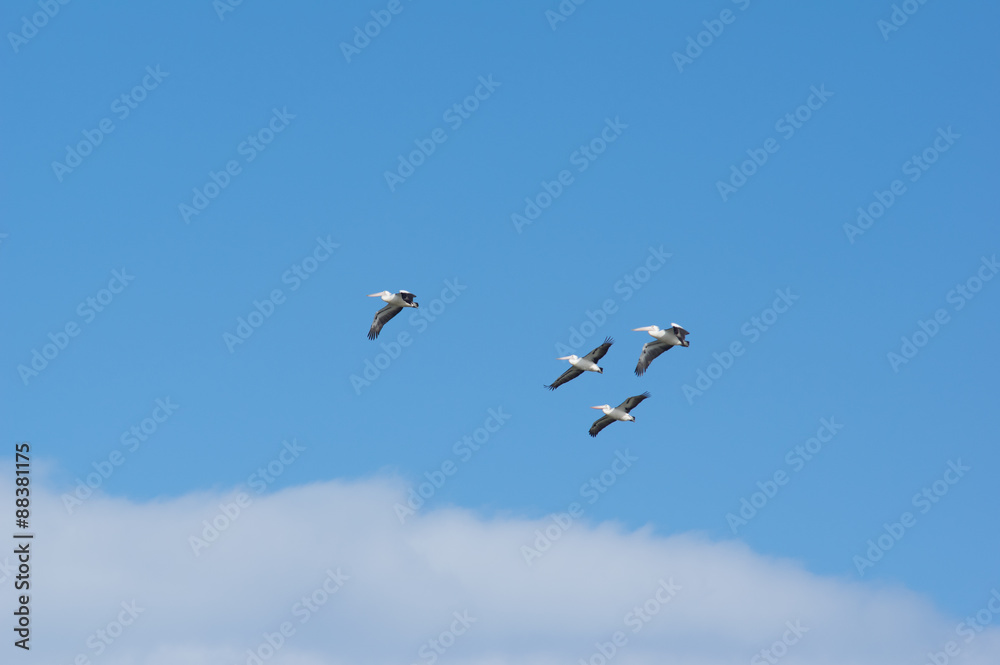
{"points": [[588, 363], [396, 299], [674, 335], [664, 340], [620, 413], [615, 412], [582, 363], [395, 304]]}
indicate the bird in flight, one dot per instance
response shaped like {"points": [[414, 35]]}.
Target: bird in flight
{"points": [[588, 363], [663, 340], [396, 303], [620, 412]]}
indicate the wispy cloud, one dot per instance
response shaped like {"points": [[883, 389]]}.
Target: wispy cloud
{"points": [[397, 588]]}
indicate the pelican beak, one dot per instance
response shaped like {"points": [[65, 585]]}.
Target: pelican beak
{"points": [[643, 329], [375, 295], [597, 407], [563, 358]]}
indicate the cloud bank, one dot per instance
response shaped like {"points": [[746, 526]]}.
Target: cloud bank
{"points": [[325, 574]]}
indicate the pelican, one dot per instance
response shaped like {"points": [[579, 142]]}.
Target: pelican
{"points": [[397, 301], [664, 340], [588, 363], [620, 412]]}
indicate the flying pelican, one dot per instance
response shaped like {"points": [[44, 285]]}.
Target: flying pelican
{"points": [[397, 301], [664, 341], [620, 412], [588, 363]]}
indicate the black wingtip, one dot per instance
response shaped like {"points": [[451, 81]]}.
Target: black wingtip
{"points": [[372, 334], [609, 340], [645, 394], [550, 387]]}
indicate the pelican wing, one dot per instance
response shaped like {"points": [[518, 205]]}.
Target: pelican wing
{"points": [[650, 351], [568, 375], [600, 424], [381, 318], [599, 352], [632, 402], [407, 297]]}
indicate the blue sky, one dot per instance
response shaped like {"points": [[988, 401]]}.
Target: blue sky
{"points": [[343, 125]]}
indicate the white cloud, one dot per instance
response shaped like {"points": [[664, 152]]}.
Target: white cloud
{"points": [[407, 582]]}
